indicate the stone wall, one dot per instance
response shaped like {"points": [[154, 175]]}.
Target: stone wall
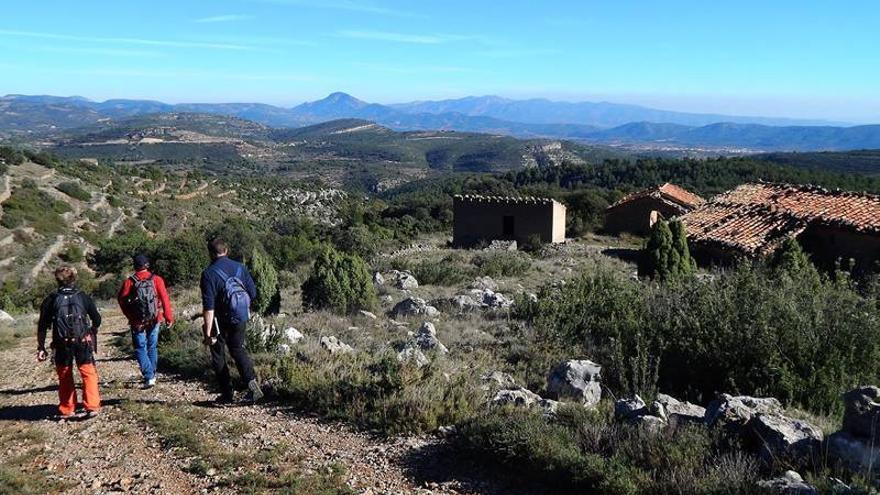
{"points": [[487, 218]]}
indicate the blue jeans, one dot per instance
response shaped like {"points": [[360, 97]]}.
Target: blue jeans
{"points": [[146, 351]]}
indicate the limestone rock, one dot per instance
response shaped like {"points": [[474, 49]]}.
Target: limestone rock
{"points": [[630, 409], [335, 346], [292, 335], [378, 279], [677, 412], [367, 314], [792, 441], [790, 483], [426, 339], [413, 355], [576, 380], [734, 412], [484, 283], [405, 281], [464, 304], [6, 318], [519, 397], [861, 417], [414, 306], [497, 380]]}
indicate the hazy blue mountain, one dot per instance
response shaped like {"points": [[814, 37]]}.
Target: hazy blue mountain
{"points": [[602, 114], [642, 127]]}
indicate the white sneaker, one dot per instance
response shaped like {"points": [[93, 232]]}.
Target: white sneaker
{"points": [[150, 383]]}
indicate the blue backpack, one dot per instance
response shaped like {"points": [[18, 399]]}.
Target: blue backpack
{"points": [[235, 298]]}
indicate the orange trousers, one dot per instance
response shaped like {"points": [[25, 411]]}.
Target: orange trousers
{"points": [[67, 390]]}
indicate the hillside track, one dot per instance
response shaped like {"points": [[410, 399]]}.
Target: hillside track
{"points": [[116, 452]]}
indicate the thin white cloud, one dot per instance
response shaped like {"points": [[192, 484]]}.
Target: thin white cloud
{"points": [[112, 52], [347, 5], [420, 39], [416, 69], [224, 18], [517, 53], [128, 41], [170, 74]]}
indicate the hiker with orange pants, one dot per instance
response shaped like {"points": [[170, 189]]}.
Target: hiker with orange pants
{"points": [[74, 321]]}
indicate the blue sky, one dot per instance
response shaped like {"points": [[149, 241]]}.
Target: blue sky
{"points": [[811, 58]]}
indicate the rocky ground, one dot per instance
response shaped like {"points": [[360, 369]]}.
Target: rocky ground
{"points": [[140, 443]]}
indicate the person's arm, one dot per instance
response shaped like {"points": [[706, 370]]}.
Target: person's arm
{"points": [[164, 299], [209, 295], [122, 295], [249, 284], [43, 325], [94, 314]]}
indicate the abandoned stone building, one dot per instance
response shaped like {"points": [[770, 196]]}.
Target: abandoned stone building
{"points": [[637, 212], [753, 220], [486, 218]]}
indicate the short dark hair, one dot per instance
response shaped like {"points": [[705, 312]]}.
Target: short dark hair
{"points": [[217, 247], [65, 275]]}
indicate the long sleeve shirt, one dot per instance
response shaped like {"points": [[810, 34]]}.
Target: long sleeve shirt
{"points": [[47, 315], [165, 312]]}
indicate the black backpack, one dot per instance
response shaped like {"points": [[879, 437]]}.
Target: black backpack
{"points": [[71, 319], [141, 300]]}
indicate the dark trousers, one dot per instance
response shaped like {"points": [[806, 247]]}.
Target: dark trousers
{"points": [[232, 337]]}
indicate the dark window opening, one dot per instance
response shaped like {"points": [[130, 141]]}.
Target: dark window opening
{"points": [[507, 228]]}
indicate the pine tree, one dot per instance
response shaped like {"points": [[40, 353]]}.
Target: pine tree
{"points": [[667, 254], [266, 279], [339, 282]]}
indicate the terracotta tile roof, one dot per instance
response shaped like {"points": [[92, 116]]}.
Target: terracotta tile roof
{"points": [[479, 198], [669, 193], [756, 218]]}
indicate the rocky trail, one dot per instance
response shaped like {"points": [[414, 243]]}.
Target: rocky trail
{"points": [[133, 446]]}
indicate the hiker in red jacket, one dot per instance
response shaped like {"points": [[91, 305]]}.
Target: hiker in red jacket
{"points": [[145, 302]]}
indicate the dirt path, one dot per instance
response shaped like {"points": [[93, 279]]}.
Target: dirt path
{"points": [[7, 190], [117, 452]]}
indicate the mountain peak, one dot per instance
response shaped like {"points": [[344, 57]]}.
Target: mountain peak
{"points": [[339, 97]]}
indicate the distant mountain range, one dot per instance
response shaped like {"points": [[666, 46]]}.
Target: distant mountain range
{"points": [[600, 123]]}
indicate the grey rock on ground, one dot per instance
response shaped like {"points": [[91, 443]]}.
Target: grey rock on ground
{"points": [[335, 346], [630, 409], [378, 279], [292, 335], [484, 283], [861, 416], [733, 412], [367, 314], [6, 317], [783, 439], [414, 306], [519, 397], [790, 483], [576, 380], [405, 280], [413, 355], [677, 412], [426, 339]]}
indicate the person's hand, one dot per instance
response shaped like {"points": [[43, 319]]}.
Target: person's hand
{"points": [[42, 355]]}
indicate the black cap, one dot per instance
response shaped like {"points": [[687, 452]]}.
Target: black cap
{"points": [[141, 261]]}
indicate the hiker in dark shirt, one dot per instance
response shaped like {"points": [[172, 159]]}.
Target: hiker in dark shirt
{"points": [[227, 291], [74, 320]]}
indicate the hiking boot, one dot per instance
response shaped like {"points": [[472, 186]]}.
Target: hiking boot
{"points": [[64, 417], [90, 415], [223, 400], [254, 392], [150, 383]]}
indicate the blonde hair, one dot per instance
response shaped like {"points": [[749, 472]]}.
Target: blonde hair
{"points": [[65, 275]]}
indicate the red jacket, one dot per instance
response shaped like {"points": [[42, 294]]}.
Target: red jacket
{"points": [[166, 314]]}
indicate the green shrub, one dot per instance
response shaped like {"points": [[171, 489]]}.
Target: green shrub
{"points": [[790, 336], [584, 450], [74, 190], [153, 217], [339, 282], [502, 263], [266, 280], [11, 156], [666, 253], [72, 254], [180, 259], [28, 204], [377, 392]]}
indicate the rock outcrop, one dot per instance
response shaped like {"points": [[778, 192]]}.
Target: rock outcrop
{"points": [[414, 306], [782, 439], [734, 412], [335, 346], [861, 417], [576, 381], [790, 483]]}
